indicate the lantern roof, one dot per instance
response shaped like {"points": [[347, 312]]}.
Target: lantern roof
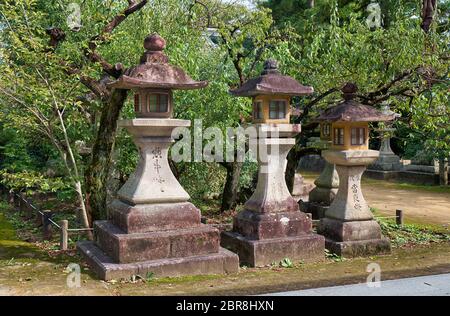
{"points": [[352, 111], [154, 71], [272, 82]]}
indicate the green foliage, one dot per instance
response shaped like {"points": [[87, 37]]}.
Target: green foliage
{"points": [[324, 46], [334, 257], [286, 263], [28, 180], [411, 234], [335, 46], [200, 179]]}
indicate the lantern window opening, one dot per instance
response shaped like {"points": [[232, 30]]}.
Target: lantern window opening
{"points": [[277, 109], [257, 110], [137, 102], [338, 136], [157, 103], [358, 136], [326, 129]]}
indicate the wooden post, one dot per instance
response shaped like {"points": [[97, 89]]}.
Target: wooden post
{"points": [[22, 204], [399, 217], [47, 232], [12, 198], [18, 201], [39, 219], [29, 211], [64, 234]]}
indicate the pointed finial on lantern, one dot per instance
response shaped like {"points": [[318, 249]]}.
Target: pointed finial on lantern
{"points": [[349, 91], [270, 67], [154, 46]]}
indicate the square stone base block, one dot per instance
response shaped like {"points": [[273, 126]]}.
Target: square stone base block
{"points": [[338, 230], [361, 248], [258, 253], [260, 226], [177, 243], [221, 262], [381, 174], [144, 218]]}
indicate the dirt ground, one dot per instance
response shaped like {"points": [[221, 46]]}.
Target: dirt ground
{"points": [[28, 270]]}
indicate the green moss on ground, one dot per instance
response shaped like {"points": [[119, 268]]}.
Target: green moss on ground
{"points": [[11, 247]]}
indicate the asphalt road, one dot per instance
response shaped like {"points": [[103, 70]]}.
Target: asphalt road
{"points": [[433, 285]]}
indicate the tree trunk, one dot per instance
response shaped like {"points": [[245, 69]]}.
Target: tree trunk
{"points": [[310, 4], [98, 171], [83, 212], [291, 168], [229, 197], [293, 158], [428, 9]]}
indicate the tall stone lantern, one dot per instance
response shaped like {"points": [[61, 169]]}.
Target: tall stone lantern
{"points": [[348, 225], [271, 227], [388, 161], [152, 226]]}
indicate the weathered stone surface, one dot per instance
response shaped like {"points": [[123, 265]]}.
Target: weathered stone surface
{"points": [[220, 262], [271, 225], [326, 186], [350, 157], [349, 231], [153, 180], [361, 248], [152, 226], [348, 224], [388, 160], [126, 248], [349, 203], [301, 189], [258, 253], [144, 218], [271, 193]]}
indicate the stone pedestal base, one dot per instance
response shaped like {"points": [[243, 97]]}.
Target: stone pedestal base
{"points": [[271, 225], [361, 248], [192, 250], [153, 217], [221, 262], [126, 248], [258, 253], [387, 162]]}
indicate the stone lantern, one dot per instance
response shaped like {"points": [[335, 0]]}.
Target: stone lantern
{"points": [[152, 226], [271, 227], [348, 225], [388, 161]]}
